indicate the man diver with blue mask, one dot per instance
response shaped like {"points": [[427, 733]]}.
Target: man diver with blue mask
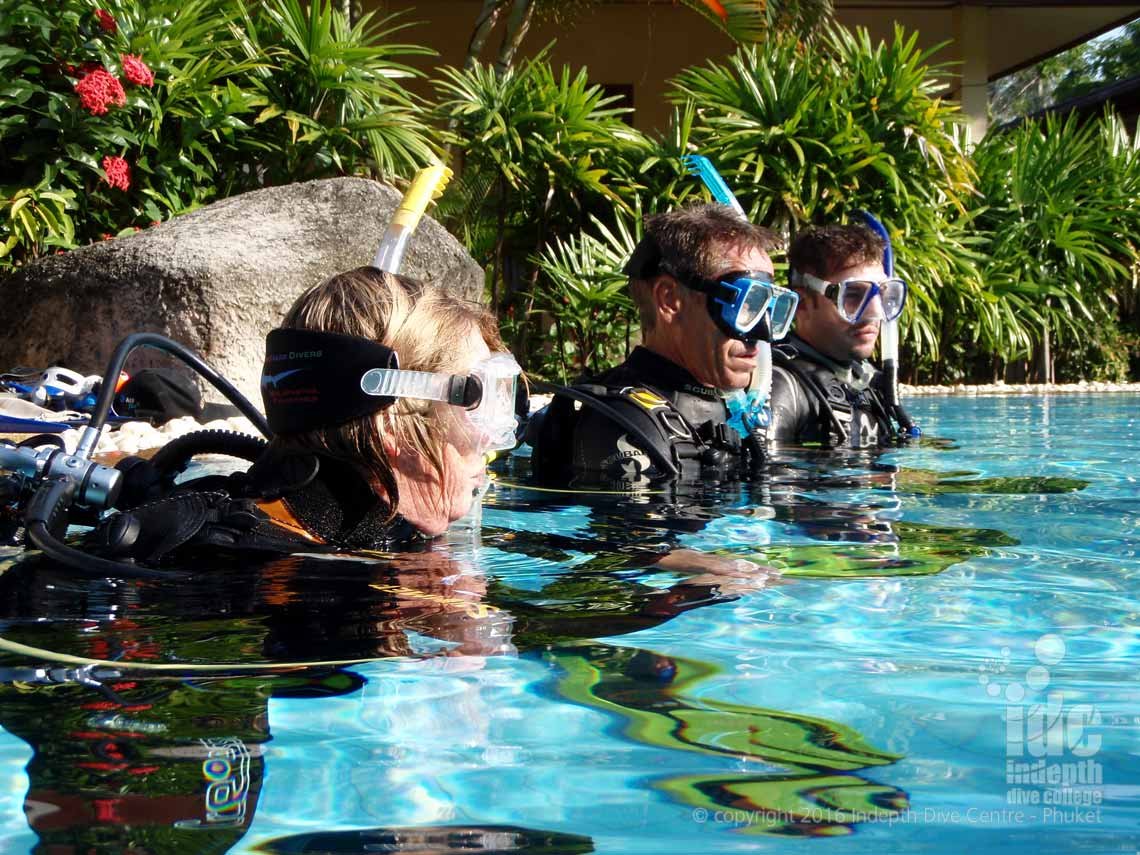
{"points": [[824, 388], [703, 283]]}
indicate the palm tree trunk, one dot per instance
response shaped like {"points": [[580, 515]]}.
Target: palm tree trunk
{"points": [[517, 25], [501, 225], [351, 9], [488, 16], [1046, 367]]}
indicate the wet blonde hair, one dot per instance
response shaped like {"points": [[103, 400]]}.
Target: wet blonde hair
{"points": [[422, 324]]}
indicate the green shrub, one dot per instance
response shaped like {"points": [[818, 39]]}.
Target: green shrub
{"points": [[33, 219], [1058, 206], [582, 289], [540, 152], [138, 111]]}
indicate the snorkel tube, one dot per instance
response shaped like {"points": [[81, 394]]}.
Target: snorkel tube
{"points": [[889, 342], [427, 185], [750, 410]]}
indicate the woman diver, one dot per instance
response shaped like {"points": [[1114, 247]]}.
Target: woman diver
{"points": [[383, 395]]}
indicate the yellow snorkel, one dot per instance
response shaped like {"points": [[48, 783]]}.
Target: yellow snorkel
{"points": [[426, 186]]}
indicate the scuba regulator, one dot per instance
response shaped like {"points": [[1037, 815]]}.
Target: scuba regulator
{"points": [[44, 485]]}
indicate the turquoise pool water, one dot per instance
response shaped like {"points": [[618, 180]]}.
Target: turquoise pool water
{"points": [[948, 663]]}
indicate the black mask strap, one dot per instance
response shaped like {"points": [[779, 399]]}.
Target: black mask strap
{"points": [[311, 379]]}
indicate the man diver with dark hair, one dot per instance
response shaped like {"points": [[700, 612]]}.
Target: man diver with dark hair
{"points": [[703, 283], [824, 388]]}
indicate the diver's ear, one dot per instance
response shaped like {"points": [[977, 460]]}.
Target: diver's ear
{"points": [[667, 297], [388, 443]]}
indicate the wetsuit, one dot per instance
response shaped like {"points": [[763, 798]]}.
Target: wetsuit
{"points": [[653, 415], [818, 400]]}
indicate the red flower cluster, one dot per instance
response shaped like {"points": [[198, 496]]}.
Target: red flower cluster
{"points": [[107, 21], [136, 71], [98, 90], [118, 172]]}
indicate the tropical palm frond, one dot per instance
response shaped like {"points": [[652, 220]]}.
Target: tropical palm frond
{"points": [[748, 21]]}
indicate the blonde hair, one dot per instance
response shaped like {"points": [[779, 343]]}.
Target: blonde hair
{"points": [[422, 324]]}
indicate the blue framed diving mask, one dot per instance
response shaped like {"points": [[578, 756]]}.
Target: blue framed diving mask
{"points": [[741, 300]]}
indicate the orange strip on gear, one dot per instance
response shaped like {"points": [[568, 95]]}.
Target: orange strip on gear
{"points": [[280, 515]]}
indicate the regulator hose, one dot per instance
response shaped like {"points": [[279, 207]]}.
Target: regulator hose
{"points": [[46, 517], [102, 409], [176, 455], [47, 512]]}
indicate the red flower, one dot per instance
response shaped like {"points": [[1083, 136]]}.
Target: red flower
{"points": [[107, 21], [136, 71], [117, 172], [98, 90]]}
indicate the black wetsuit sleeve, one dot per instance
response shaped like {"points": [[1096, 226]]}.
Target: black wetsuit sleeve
{"points": [[793, 419], [606, 453]]}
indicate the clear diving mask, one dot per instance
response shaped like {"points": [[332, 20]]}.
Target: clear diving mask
{"points": [[739, 300], [854, 296], [487, 395]]}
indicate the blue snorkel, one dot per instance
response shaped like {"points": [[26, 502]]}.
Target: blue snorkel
{"points": [[701, 166], [889, 338], [749, 410]]}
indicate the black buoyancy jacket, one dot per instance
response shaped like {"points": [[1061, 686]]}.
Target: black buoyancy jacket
{"points": [[646, 419], [817, 400], [286, 503]]}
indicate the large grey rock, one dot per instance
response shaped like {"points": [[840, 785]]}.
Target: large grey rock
{"points": [[217, 279]]}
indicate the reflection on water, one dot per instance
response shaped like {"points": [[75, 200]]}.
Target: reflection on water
{"points": [[508, 840], [807, 781], [594, 672], [910, 549], [933, 483]]}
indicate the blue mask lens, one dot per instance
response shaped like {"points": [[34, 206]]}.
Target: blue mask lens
{"points": [[783, 310], [739, 301], [753, 296], [754, 293]]}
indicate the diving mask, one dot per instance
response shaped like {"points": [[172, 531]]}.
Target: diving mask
{"points": [[314, 379], [487, 395], [853, 296], [740, 300]]}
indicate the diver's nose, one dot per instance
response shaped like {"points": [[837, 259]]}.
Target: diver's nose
{"points": [[874, 310]]}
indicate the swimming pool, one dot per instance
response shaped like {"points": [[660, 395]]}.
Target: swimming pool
{"points": [[949, 662]]}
